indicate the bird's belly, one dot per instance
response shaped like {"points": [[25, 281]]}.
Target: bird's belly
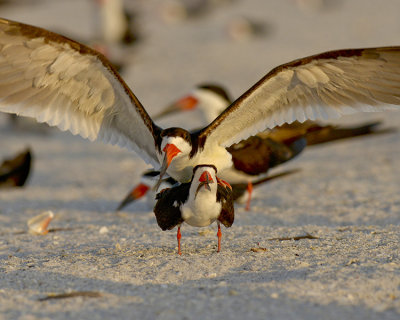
{"points": [[235, 176], [201, 213]]}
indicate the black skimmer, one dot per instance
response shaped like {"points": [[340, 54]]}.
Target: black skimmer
{"points": [[115, 22], [68, 85], [145, 188], [118, 29], [14, 172], [149, 179], [253, 157], [198, 203]]}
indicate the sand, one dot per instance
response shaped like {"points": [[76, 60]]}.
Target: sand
{"points": [[346, 195]]}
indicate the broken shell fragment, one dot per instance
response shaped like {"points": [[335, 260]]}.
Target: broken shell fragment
{"points": [[39, 224]]}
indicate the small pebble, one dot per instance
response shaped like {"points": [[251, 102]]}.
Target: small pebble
{"points": [[274, 295], [259, 249], [233, 292], [103, 230]]}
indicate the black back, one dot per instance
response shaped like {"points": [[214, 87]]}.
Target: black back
{"points": [[167, 209], [257, 155], [225, 197]]}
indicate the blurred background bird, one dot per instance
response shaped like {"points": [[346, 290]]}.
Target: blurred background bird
{"points": [[15, 171]]}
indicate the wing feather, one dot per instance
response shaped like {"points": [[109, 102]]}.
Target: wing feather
{"points": [[66, 84], [323, 86]]}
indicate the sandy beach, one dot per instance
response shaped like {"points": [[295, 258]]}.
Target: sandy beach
{"points": [[122, 266]]}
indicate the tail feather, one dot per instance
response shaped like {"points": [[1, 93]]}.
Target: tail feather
{"points": [[324, 134]]}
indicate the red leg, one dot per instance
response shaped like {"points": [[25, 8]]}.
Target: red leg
{"points": [[250, 191], [179, 236], [224, 183], [219, 235]]}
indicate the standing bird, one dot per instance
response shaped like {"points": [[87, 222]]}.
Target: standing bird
{"points": [[68, 85], [115, 23], [198, 203]]}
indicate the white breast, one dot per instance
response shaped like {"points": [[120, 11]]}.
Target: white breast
{"points": [[202, 209], [181, 168]]}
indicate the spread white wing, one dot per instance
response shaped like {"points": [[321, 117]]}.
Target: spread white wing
{"points": [[66, 84], [323, 86]]}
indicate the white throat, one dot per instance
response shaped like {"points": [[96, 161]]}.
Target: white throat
{"points": [[181, 167]]}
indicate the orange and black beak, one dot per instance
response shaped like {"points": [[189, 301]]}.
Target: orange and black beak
{"points": [[185, 104], [205, 180], [138, 192], [171, 151]]}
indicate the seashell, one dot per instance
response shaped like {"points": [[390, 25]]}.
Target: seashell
{"points": [[39, 223]]}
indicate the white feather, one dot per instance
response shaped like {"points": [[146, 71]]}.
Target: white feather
{"points": [[45, 76], [312, 88]]}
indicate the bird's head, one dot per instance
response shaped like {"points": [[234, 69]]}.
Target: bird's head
{"points": [[204, 176], [186, 103], [175, 143]]}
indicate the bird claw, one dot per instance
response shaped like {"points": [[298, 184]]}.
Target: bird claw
{"points": [[160, 194], [163, 190], [224, 183]]}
